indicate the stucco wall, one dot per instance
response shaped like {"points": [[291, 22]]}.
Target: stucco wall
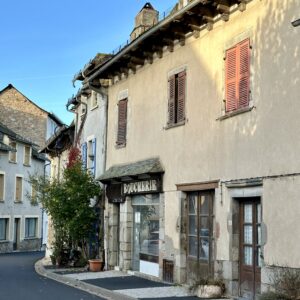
{"points": [[261, 142]]}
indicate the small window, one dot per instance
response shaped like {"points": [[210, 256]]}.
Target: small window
{"points": [[30, 227], [3, 229], [94, 100], [177, 92], [19, 189], [27, 155], [122, 122], [1, 187], [237, 76], [13, 154]]}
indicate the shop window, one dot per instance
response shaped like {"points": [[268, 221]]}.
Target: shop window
{"points": [[19, 189], [237, 76], [176, 105], [122, 122], [3, 229], [13, 154], [30, 227]]}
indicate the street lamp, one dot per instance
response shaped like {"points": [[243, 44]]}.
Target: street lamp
{"points": [[296, 23]]}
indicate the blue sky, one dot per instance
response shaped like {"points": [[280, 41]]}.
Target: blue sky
{"points": [[44, 43]]}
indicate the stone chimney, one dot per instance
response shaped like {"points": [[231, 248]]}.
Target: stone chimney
{"points": [[144, 20]]}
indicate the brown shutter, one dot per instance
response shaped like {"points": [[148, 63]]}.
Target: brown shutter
{"points": [[181, 86], [244, 73], [231, 79], [171, 106], [122, 122], [19, 189]]}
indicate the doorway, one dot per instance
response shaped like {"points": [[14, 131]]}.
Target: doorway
{"points": [[16, 242], [250, 247]]}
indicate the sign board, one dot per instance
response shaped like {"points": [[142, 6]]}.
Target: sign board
{"points": [[153, 185]]}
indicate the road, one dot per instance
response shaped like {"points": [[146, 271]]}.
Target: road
{"points": [[19, 281]]}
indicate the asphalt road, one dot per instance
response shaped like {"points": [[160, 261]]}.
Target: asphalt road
{"points": [[19, 281]]}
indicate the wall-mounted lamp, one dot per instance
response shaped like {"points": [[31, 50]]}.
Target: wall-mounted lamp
{"points": [[296, 23]]}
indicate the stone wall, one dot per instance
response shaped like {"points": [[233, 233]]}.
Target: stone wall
{"points": [[22, 116], [30, 245]]}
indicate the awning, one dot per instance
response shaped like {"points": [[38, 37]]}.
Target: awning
{"points": [[128, 172]]}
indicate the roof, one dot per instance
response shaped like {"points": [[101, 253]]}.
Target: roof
{"points": [[5, 130], [191, 19], [117, 172], [50, 114]]}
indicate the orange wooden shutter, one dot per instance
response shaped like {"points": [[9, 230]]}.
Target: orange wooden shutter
{"points": [[231, 79], [243, 73], [171, 106], [122, 122], [181, 96]]}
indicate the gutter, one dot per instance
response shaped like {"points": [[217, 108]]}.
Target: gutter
{"points": [[144, 36]]}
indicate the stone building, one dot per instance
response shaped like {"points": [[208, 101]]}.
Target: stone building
{"points": [[25, 117], [20, 218], [202, 172]]}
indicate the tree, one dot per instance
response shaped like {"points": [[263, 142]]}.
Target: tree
{"points": [[67, 201]]}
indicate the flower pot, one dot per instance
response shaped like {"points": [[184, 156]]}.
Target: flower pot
{"points": [[209, 291], [95, 265]]}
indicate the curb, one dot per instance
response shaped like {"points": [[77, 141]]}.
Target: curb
{"points": [[89, 288]]}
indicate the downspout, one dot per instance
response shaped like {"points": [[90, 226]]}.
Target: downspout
{"points": [[43, 210]]}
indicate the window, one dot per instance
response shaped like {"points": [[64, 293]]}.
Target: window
{"points": [[27, 154], [177, 91], [237, 76], [3, 229], [13, 154], [19, 189], [1, 187], [94, 100], [122, 122], [30, 227], [92, 156]]}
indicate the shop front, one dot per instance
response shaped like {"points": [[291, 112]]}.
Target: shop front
{"points": [[134, 202]]}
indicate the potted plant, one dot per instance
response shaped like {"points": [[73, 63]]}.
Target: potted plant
{"points": [[208, 288]]}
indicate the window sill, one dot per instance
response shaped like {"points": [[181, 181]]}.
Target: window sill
{"points": [[12, 162], [234, 113], [27, 165], [93, 108], [18, 202], [4, 241], [169, 126], [1, 201], [120, 146], [30, 238]]}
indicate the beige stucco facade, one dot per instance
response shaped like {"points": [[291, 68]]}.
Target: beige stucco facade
{"points": [[250, 154]]}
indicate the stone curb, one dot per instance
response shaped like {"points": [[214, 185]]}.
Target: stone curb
{"points": [[89, 288]]}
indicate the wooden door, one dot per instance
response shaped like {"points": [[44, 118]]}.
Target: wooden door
{"points": [[16, 234], [250, 248]]}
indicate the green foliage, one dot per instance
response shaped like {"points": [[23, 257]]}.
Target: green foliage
{"points": [[68, 203]]}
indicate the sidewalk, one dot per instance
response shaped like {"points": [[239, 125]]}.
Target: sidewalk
{"points": [[114, 285]]}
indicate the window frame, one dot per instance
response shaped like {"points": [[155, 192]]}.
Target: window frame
{"points": [[6, 222], [93, 100], [21, 193], [13, 154], [29, 156], [26, 228], [2, 197]]}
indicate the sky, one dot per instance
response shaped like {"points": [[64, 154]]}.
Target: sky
{"points": [[44, 43]]}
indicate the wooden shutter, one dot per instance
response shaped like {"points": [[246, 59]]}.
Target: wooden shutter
{"points": [[122, 122], [181, 86], [26, 155], [84, 155], [231, 79], [172, 95], [1, 187], [243, 73], [19, 189]]}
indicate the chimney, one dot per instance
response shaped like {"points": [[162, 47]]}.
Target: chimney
{"points": [[144, 20]]}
